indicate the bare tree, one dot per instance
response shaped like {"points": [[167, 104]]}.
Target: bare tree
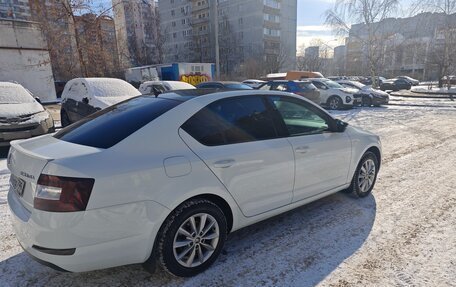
{"points": [[78, 43], [368, 12]]}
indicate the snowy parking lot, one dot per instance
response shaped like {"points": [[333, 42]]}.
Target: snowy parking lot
{"points": [[404, 234]]}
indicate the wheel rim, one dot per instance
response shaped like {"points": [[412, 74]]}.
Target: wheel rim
{"points": [[334, 103], [196, 240], [366, 176]]}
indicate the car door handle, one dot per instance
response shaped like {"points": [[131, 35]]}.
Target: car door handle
{"points": [[302, 149], [224, 163]]}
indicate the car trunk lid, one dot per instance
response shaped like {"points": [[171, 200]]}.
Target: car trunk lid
{"points": [[28, 158]]}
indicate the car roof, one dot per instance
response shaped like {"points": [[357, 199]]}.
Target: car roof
{"points": [[10, 84]]}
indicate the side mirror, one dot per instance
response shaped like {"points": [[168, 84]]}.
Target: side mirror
{"points": [[85, 100], [38, 99], [341, 126]]}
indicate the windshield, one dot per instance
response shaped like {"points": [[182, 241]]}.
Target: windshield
{"points": [[357, 85], [333, 85], [14, 94], [238, 87]]}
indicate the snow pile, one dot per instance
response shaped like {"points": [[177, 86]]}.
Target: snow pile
{"points": [[434, 90]]}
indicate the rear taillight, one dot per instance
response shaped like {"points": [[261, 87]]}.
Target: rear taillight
{"points": [[62, 194]]}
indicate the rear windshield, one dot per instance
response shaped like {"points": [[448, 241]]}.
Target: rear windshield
{"points": [[108, 127], [238, 87]]}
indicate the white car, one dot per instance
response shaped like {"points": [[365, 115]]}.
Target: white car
{"points": [[167, 178], [370, 96], [21, 115], [82, 97], [334, 96], [158, 87], [254, 83]]}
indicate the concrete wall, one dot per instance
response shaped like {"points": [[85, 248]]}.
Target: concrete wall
{"points": [[24, 58]]}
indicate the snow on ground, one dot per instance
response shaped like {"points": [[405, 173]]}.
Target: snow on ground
{"points": [[432, 89], [403, 234]]}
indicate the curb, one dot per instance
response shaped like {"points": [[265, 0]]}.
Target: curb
{"points": [[421, 95]]}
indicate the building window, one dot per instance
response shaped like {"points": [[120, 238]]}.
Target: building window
{"points": [[272, 3]]}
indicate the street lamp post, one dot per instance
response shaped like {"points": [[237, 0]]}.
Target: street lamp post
{"points": [[216, 30]]}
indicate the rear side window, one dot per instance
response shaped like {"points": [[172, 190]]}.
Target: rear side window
{"points": [[108, 127], [231, 121]]}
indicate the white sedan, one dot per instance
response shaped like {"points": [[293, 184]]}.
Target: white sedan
{"points": [[167, 178], [370, 96]]}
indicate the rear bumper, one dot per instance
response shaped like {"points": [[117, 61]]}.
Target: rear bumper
{"points": [[46, 126], [101, 238]]}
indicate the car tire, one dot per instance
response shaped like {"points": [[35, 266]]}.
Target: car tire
{"points": [[367, 101], [64, 119], [366, 173], [191, 238], [335, 103]]}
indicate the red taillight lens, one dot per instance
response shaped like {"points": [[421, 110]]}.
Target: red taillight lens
{"points": [[62, 194]]}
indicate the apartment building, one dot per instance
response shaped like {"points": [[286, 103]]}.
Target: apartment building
{"points": [[15, 9], [136, 26], [407, 46], [262, 30]]}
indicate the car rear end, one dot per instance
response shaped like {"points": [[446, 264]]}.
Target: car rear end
{"points": [[305, 89], [71, 198]]}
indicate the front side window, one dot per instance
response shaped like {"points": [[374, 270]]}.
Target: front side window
{"points": [[300, 118], [231, 121]]}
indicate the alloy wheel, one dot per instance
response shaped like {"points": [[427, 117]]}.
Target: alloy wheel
{"points": [[366, 175], [196, 240]]}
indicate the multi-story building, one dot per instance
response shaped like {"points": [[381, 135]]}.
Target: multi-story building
{"points": [[136, 25], [312, 52], [406, 46], [15, 9], [260, 30], [97, 39], [339, 59]]}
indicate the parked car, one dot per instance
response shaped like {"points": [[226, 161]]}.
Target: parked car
{"points": [[368, 80], [412, 81], [223, 85], [85, 96], [449, 80], [180, 174], [370, 96], [395, 85], [254, 83], [21, 115], [158, 87], [301, 88], [334, 96]]}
